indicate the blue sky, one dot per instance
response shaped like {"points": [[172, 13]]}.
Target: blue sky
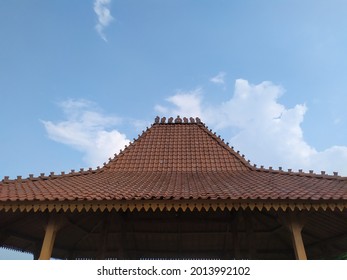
{"points": [[78, 79]]}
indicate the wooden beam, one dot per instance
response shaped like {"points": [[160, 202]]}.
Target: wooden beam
{"points": [[298, 243], [329, 239], [48, 241], [295, 223], [88, 233]]}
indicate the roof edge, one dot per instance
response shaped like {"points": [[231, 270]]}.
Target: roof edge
{"points": [[176, 205]]}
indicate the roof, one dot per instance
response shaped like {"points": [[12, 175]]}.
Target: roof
{"points": [[174, 160]]}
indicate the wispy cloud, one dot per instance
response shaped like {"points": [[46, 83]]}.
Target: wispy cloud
{"points": [[219, 79], [88, 130], [103, 12], [262, 128]]}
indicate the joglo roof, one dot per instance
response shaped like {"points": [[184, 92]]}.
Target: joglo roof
{"points": [[176, 161]]}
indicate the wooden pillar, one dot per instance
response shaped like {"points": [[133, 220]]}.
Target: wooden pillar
{"points": [[235, 236], [48, 241], [295, 224], [298, 243]]}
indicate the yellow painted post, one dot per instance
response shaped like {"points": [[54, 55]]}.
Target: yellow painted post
{"points": [[298, 243], [294, 223], [48, 241]]}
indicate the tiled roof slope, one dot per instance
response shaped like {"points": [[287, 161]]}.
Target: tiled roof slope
{"points": [[178, 159], [176, 146]]}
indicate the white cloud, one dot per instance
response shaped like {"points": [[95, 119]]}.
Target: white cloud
{"points": [[186, 104], [87, 130], [261, 127], [219, 79], [103, 12]]}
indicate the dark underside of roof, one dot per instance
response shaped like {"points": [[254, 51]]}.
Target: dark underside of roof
{"points": [[241, 234]]}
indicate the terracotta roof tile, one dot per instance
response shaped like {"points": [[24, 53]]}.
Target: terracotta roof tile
{"points": [[177, 160]]}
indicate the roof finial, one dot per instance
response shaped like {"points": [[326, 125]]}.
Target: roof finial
{"points": [[192, 120], [163, 119], [185, 120], [170, 120], [198, 120], [178, 120], [156, 120]]}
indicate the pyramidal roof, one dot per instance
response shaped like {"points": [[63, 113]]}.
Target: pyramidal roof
{"points": [[175, 159], [179, 145]]}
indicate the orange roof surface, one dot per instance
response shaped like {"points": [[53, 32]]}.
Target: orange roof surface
{"points": [[176, 159]]}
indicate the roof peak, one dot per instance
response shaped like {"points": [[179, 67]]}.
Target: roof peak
{"points": [[177, 120], [179, 144]]}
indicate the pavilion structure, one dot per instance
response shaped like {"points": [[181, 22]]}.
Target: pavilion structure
{"points": [[178, 191]]}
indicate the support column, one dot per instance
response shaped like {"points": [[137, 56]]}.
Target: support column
{"points": [[295, 225], [48, 241]]}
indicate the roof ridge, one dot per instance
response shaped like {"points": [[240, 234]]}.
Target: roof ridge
{"points": [[127, 148], [226, 146], [51, 175], [177, 120], [300, 173]]}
